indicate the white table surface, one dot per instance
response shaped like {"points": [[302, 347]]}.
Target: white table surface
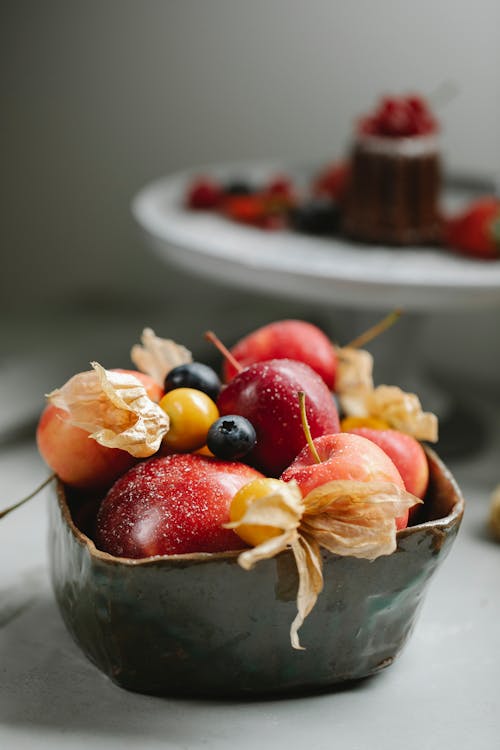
{"points": [[441, 693]]}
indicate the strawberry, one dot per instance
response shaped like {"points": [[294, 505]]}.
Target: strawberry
{"points": [[264, 210], [476, 231], [245, 209]]}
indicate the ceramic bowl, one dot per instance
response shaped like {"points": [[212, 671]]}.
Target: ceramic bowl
{"points": [[199, 624]]}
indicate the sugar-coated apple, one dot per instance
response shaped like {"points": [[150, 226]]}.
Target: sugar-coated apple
{"points": [[405, 452], [74, 456], [343, 456], [266, 393], [287, 339], [173, 504]]}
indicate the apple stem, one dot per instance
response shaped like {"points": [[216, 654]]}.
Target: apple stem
{"points": [[376, 330], [40, 487], [306, 428], [215, 340]]}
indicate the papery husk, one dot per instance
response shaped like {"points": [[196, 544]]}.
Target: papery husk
{"points": [[282, 509], [354, 370], [343, 516], [494, 517], [353, 518], [402, 411], [115, 409], [307, 556], [157, 356]]}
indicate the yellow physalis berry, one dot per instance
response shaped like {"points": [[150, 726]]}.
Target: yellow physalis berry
{"points": [[350, 423], [191, 412], [254, 534], [205, 451]]}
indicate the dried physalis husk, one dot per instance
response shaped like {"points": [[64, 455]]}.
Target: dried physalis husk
{"points": [[281, 509], [353, 518], [354, 370], [115, 409], [157, 356], [402, 411], [345, 517], [494, 519], [307, 556]]}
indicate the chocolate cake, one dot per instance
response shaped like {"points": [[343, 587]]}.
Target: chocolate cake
{"points": [[394, 185]]}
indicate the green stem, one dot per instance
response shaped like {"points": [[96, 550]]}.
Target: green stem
{"points": [[375, 330], [306, 428]]}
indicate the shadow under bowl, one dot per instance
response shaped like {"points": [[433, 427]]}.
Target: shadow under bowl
{"points": [[200, 625]]}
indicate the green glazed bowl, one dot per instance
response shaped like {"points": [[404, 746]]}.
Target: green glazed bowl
{"points": [[199, 624]]}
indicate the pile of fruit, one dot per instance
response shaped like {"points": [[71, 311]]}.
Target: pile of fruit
{"points": [[181, 461]]}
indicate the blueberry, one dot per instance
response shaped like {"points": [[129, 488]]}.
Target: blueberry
{"points": [[238, 187], [318, 216], [194, 375], [231, 437]]}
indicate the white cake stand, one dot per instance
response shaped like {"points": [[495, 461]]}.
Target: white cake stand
{"points": [[330, 272]]}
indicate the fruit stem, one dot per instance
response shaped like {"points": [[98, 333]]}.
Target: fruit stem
{"points": [[306, 428], [376, 330], [40, 487], [215, 340]]}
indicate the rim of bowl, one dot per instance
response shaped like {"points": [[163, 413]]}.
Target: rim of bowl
{"points": [[439, 523]]}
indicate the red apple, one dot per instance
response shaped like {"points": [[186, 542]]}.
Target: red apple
{"points": [[287, 339], [344, 456], [76, 458], [266, 393], [405, 452], [172, 505]]}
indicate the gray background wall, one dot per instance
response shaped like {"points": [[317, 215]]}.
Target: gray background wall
{"points": [[100, 96]]}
